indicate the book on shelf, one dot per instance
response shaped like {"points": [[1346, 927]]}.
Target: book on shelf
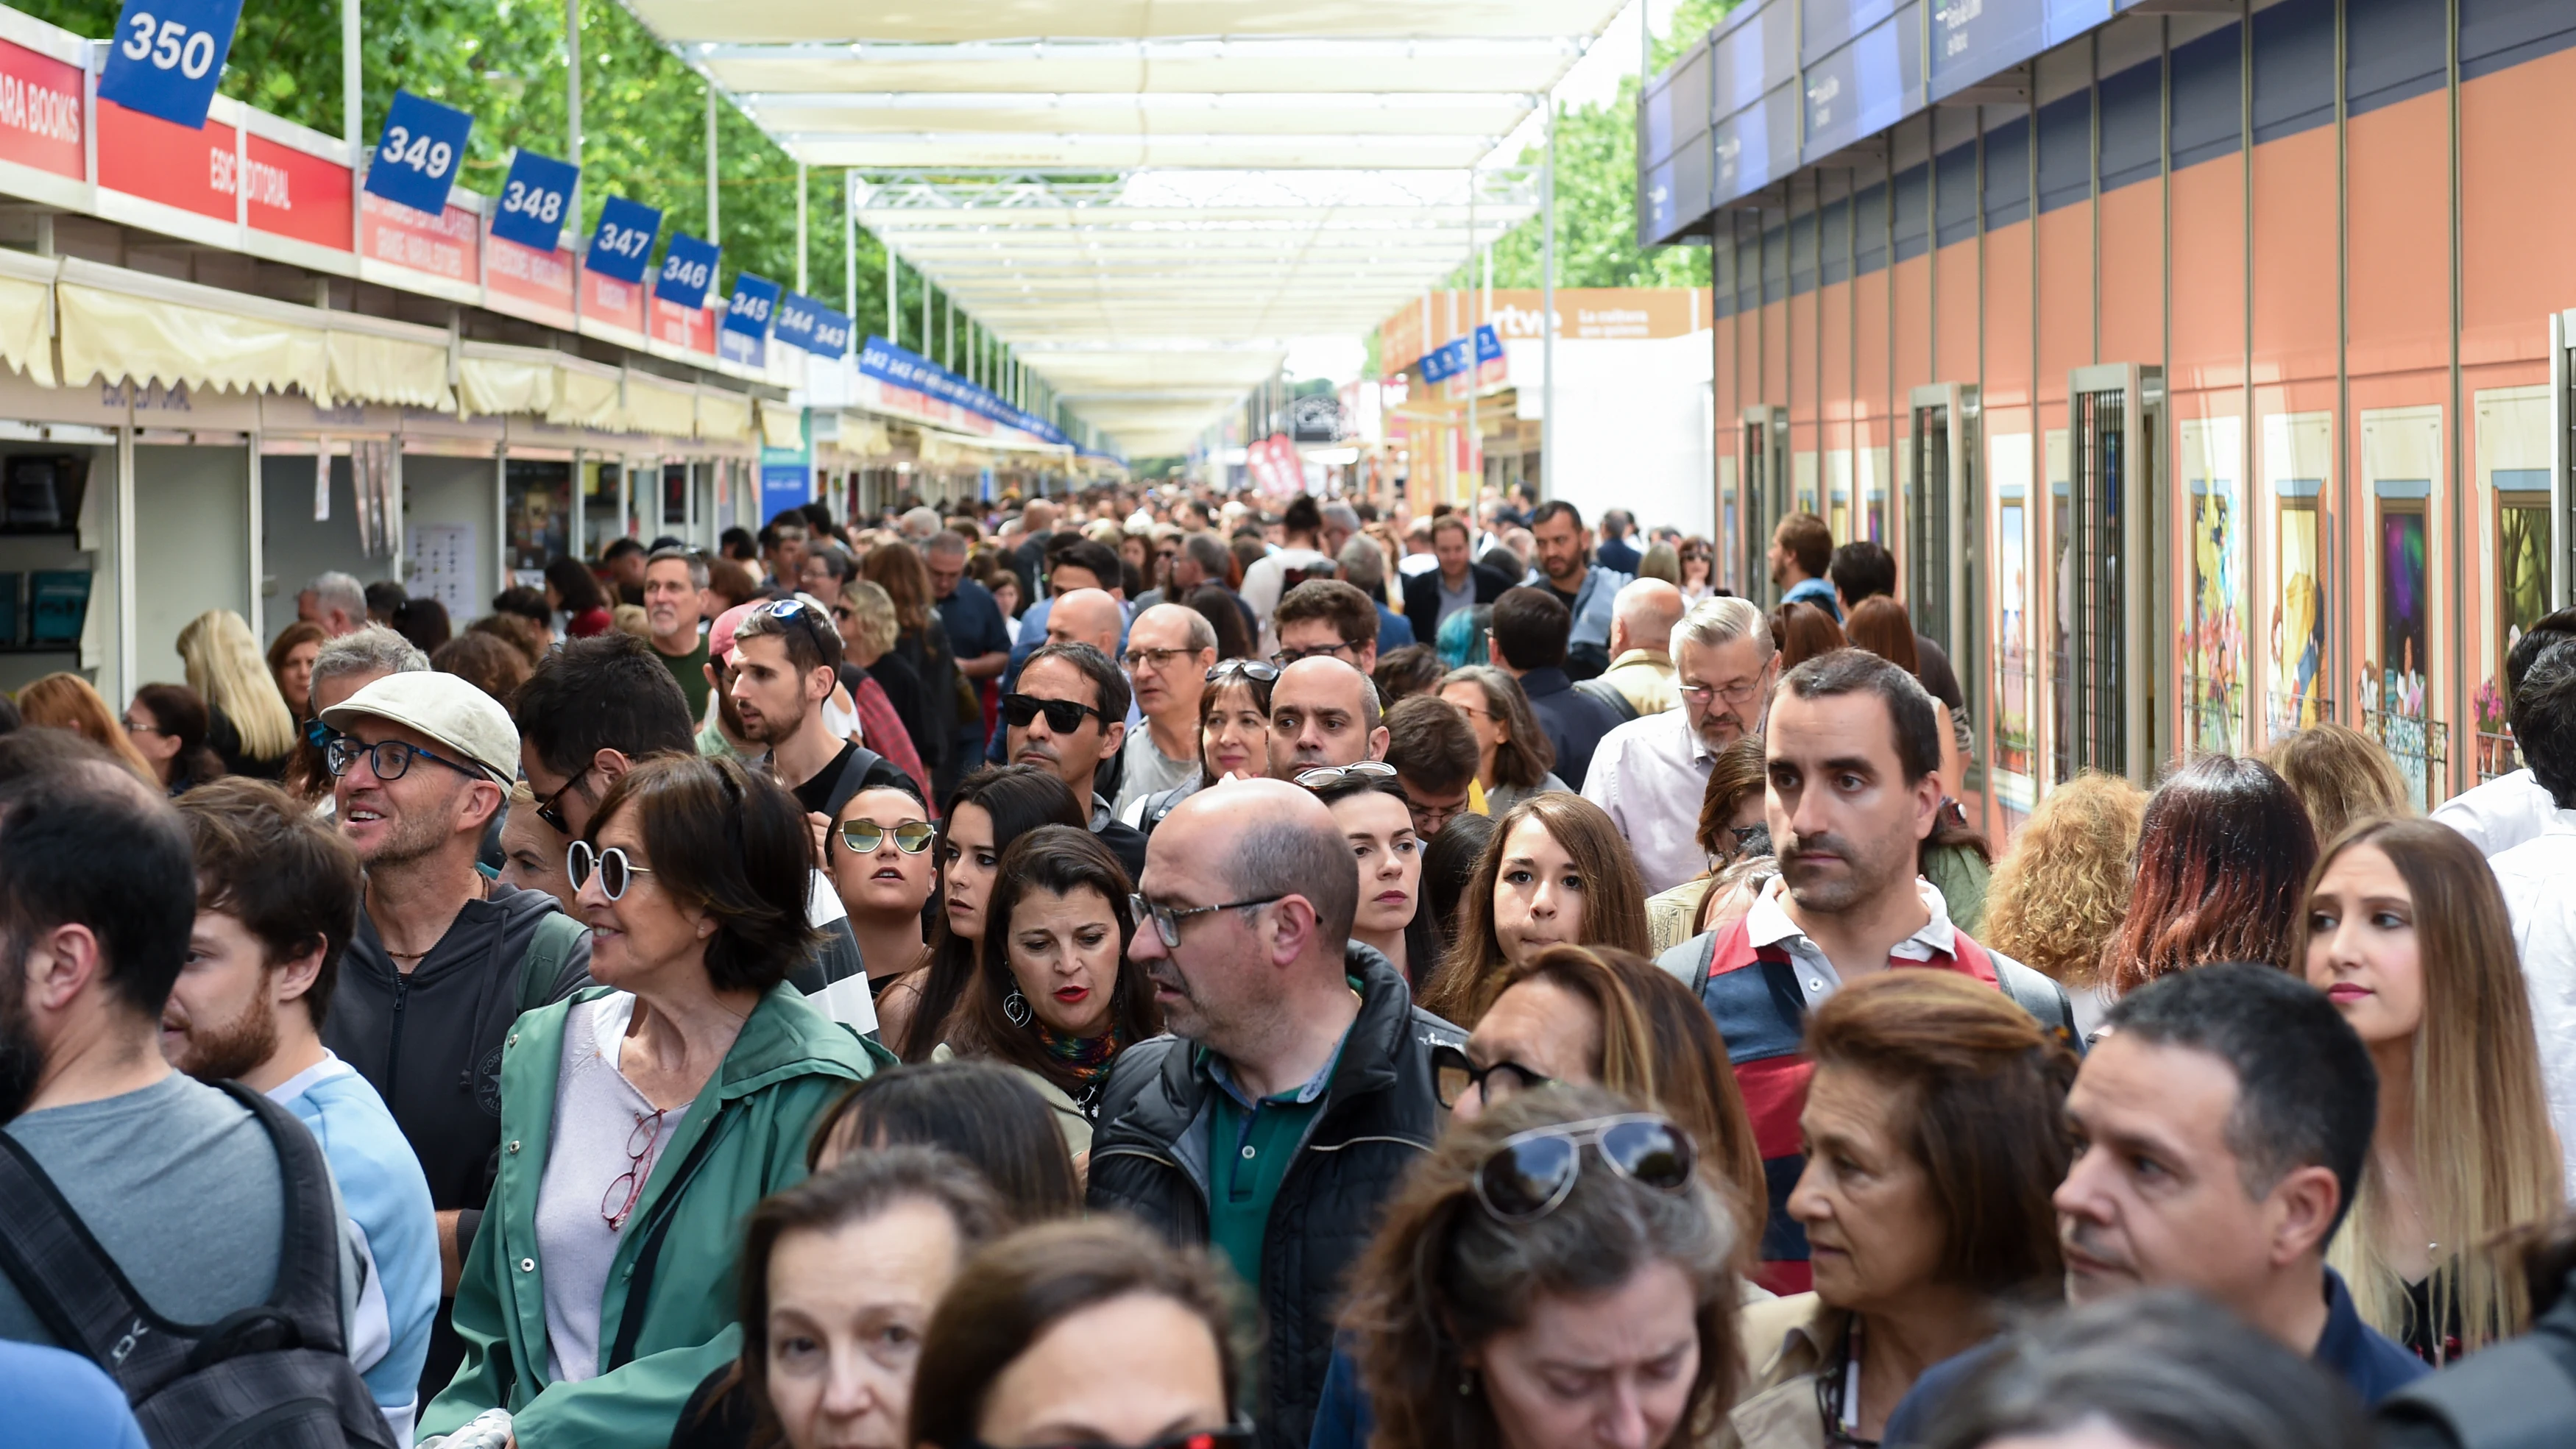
{"points": [[57, 605]]}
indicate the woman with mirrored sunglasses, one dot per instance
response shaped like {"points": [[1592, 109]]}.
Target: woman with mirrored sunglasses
{"points": [[1565, 1226], [878, 854], [1054, 994], [1094, 1334], [1933, 1136], [658, 1108]]}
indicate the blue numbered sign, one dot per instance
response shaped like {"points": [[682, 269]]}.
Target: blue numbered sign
{"points": [[688, 269], [755, 298], [535, 201], [416, 159], [167, 57], [624, 240], [806, 323], [831, 333]]}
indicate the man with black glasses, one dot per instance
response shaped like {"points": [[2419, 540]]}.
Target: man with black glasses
{"points": [[443, 960], [1295, 1088], [1067, 717]]}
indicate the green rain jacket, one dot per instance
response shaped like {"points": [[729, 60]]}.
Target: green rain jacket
{"points": [[667, 1317]]}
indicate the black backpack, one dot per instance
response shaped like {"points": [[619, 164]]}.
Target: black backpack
{"points": [[274, 1375], [2519, 1394]]}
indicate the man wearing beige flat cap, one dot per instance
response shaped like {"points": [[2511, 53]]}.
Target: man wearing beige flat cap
{"points": [[444, 959]]}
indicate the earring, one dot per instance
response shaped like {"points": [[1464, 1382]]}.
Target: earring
{"points": [[1016, 1007], [1466, 1383]]}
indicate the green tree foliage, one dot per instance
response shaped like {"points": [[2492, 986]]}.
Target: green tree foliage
{"points": [[1596, 211]]}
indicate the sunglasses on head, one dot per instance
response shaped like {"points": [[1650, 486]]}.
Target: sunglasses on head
{"points": [[1252, 669], [1063, 716], [1325, 777], [912, 837], [1530, 1174]]}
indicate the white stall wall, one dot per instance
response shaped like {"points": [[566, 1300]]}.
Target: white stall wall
{"points": [[1633, 426], [295, 546], [191, 548], [459, 492]]}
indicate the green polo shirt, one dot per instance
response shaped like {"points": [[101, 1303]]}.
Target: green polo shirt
{"points": [[1250, 1144]]}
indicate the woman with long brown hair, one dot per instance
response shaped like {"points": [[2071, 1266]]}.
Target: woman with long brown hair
{"points": [[2224, 853], [2342, 775], [67, 702], [2406, 931], [921, 641], [1731, 827], [1804, 631], [1881, 625], [290, 664], [1556, 873], [1514, 757]]}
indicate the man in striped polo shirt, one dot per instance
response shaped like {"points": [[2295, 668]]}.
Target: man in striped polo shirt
{"points": [[1852, 748]]}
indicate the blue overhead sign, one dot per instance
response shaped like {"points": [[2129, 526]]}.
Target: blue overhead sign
{"points": [[886, 362], [535, 200], [416, 158], [624, 240], [688, 270], [806, 323], [755, 298], [168, 56]]}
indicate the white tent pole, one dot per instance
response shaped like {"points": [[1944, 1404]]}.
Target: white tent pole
{"points": [[803, 286], [894, 312], [715, 227], [850, 244], [1547, 313], [1475, 367]]}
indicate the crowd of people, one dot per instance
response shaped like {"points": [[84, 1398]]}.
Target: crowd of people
{"points": [[1163, 970]]}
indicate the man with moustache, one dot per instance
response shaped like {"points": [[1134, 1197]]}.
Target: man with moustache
{"points": [[1066, 718], [1853, 751]]}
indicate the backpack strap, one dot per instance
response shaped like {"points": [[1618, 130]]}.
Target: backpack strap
{"points": [[541, 969], [2044, 999], [854, 778], [1608, 693], [307, 1294], [2516, 1395]]}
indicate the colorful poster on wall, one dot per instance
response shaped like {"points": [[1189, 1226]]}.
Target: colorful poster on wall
{"points": [[2401, 456], [2513, 462], [2059, 565], [2016, 746], [2213, 643], [2298, 453]]}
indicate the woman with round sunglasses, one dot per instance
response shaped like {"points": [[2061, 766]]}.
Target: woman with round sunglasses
{"points": [[1934, 1137], [1564, 1227], [1053, 993], [991, 808], [878, 855], [1234, 735], [1093, 1333], [642, 1118]]}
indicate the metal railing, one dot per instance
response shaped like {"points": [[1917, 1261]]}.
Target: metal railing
{"points": [[2421, 746], [2497, 753], [2213, 716], [2287, 716]]}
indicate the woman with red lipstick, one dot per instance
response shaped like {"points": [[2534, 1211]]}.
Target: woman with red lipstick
{"points": [[991, 808], [1053, 993], [2406, 932]]}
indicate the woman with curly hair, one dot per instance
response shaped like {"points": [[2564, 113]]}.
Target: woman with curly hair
{"points": [[2059, 893]]}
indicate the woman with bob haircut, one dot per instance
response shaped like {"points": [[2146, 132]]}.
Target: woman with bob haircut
{"points": [[1732, 826], [1093, 1332], [840, 1274], [2060, 893], [2407, 933], [661, 1106], [1557, 872], [986, 812], [2342, 775], [1465, 1300], [2224, 856], [1054, 996], [1514, 757], [983, 1112], [1934, 1139]]}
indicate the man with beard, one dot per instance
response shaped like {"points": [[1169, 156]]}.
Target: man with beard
{"points": [[444, 959], [277, 899], [175, 1180], [1066, 718], [1587, 590], [1651, 772], [1296, 1079], [785, 661], [1323, 712], [1853, 750]]}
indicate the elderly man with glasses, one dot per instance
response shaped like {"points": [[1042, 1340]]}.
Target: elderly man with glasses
{"points": [[1170, 649], [1651, 773]]}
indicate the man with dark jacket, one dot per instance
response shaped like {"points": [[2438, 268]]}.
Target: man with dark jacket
{"points": [[1434, 594], [443, 960], [1295, 1090], [1529, 643]]}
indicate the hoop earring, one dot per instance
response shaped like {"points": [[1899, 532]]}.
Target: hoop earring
{"points": [[1016, 1007]]}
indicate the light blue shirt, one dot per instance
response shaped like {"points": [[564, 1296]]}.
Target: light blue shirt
{"points": [[1819, 592], [388, 1201], [1592, 603]]}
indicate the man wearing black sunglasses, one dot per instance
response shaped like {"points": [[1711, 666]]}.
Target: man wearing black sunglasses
{"points": [[1067, 717], [1296, 1088]]}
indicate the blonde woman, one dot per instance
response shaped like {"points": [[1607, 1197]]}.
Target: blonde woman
{"points": [[67, 702], [2406, 932], [2059, 894], [248, 723]]}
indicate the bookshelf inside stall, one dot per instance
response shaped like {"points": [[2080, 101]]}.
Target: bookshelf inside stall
{"points": [[45, 577]]}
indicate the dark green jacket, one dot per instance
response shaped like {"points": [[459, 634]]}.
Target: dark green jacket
{"points": [[667, 1318]]}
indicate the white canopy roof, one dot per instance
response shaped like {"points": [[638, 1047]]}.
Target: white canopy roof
{"points": [[1280, 170]]}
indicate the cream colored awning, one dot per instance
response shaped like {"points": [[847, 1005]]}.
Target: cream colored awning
{"points": [[27, 315], [119, 324], [723, 416]]}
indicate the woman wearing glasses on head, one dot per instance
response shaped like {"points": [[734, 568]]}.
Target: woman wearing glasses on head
{"points": [[642, 1118], [878, 855], [1565, 1227], [1053, 993], [1234, 735]]}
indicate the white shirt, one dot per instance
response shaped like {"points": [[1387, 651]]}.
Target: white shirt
{"points": [[1267, 579], [2500, 814], [1651, 774], [2536, 877], [1768, 924]]}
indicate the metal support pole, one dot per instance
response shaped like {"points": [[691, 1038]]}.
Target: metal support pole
{"points": [[715, 226], [1547, 314], [850, 246], [572, 109], [894, 310], [801, 247], [352, 89], [1475, 364], [927, 338]]}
